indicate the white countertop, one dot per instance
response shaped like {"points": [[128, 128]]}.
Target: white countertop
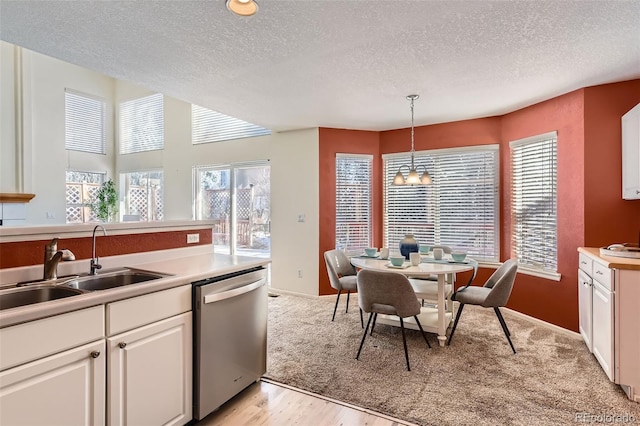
{"points": [[184, 266]]}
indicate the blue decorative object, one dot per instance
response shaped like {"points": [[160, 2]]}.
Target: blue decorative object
{"points": [[408, 245]]}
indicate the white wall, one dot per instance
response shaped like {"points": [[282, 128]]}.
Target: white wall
{"points": [[293, 157], [45, 162]]}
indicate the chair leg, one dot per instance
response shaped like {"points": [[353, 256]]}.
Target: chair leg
{"points": [[504, 327], [404, 342], [361, 320], [336, 307], [346, 311], [364, 335], [375, 317], [455, 323], [422, 331]]}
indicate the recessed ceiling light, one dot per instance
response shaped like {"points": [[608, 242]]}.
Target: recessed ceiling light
{"points": [[242, 7]]}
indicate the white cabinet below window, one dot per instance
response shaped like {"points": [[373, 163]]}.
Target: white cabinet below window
{"points": [[150, 374], [631, 154], [63, 389], [150, 359]]}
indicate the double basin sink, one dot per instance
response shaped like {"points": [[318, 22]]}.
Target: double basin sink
{"points": [[38, 291]]}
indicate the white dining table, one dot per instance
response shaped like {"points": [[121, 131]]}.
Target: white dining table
{"points": [[434, 320]]}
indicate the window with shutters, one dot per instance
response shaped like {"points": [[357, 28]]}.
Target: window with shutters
{"points": [[534, 236], [210, 126], [142, 124], [84, 122], [353, 201], [460, 208]]}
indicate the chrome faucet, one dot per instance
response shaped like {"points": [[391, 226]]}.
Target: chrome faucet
{"points": [[51, 258], [94, 259]]}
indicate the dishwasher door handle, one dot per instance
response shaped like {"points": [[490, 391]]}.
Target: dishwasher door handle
{"points": [[216, 297]]}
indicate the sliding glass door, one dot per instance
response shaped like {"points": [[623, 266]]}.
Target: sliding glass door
{"points": [[237, 199]]}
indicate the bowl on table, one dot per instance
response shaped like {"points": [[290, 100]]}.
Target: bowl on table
{"points": [[396, 260], [371, 251], [458, 256], [424, 249]]}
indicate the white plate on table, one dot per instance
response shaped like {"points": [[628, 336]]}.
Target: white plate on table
{"points": [[403, 266]]}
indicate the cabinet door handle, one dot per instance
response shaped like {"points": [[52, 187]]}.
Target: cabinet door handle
{"points": [[95, 354], [598, 272], [122, 345]]}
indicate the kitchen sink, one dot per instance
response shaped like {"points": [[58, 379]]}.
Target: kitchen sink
{"points": [[112, 279], [21, 296]]}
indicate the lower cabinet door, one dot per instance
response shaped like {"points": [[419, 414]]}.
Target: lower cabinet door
{"points": [[62, 389], [603, 327], [585, 307], [150, 374]]}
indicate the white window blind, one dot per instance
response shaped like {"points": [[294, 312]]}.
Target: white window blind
{"points": [[459, 209], [142, 124], [534, 164], [210, 126], [353, 201], [84, 123]]}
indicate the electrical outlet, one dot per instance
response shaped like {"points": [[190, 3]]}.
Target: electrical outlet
{"points": [[193, 238], [51, 215], [299, 273]]}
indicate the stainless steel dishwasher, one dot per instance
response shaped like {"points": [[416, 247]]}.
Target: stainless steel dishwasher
{"points": [[230, 336]]}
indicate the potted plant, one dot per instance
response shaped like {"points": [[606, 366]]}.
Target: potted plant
{"points": [[105, 206]]}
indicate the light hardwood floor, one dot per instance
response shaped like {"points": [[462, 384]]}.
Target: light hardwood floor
{"points": [[268, 403]]}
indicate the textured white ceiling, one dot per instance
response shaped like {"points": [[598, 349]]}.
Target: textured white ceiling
{"points": [[342, 63]]}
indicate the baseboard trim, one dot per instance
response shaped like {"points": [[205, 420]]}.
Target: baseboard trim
{"points": [[291, 293], [542, 323], [335, 401]]}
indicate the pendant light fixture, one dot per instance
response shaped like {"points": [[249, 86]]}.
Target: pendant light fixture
{"points": [[413, 178], [242, 7]]}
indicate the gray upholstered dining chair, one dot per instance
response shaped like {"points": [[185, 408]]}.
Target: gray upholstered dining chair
{"points": [[388, 293], [494, 294], [342, 276]]}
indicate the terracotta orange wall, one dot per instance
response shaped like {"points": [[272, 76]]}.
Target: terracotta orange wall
{"points": [[552, 301], [333, 141], [591, 211], [27, 253], [608, 218]]}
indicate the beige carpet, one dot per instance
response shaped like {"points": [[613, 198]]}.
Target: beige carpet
{"points": [[475, 381]]}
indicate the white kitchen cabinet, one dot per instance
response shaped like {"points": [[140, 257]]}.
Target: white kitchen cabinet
{"points": [[50, 374], [150, 366], [63, 389], [613, 313], [596, 309], [585, 302], [603, 327], [631, 154]]}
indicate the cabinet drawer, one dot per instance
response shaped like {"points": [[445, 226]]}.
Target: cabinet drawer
{"points": [[585, 263], [36, 339], [602, 274], [142, 310]]}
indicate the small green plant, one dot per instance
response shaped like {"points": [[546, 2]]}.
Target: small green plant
{"points": [[106, 205]]}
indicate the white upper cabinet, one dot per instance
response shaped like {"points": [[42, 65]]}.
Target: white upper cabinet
{"points": [[631, 154]]}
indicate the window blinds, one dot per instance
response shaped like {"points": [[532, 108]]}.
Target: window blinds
{"points": [[353, 201], [211, 126], [459, 209], [142, 124], [534, 164], [84, 123]]}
